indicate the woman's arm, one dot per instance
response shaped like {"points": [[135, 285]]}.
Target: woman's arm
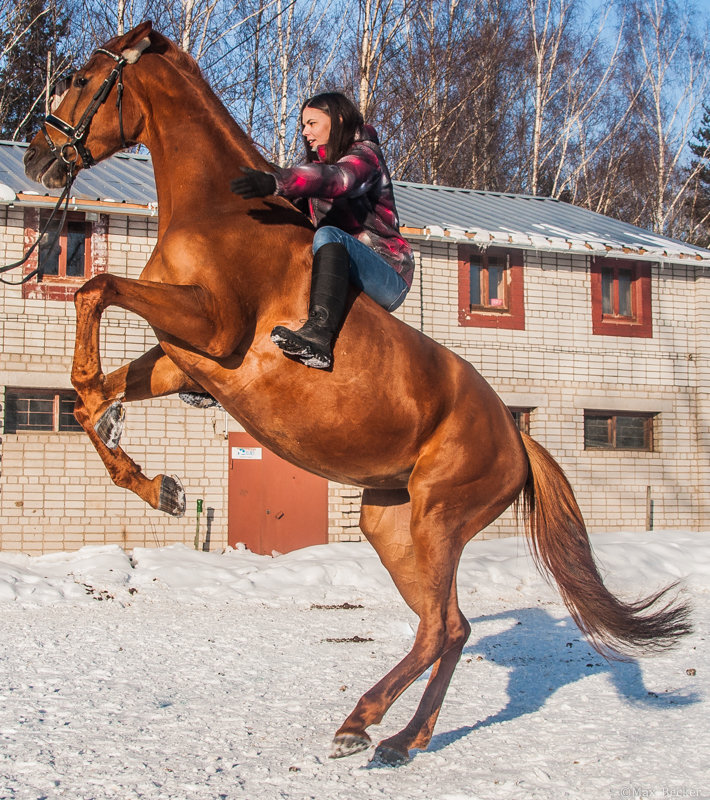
{"points": [[352, 175]]}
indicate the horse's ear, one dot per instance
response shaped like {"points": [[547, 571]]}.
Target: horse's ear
{"points": [[138, 40], [135, 35]]}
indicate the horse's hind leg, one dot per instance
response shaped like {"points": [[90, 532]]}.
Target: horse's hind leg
{"points": [[422, 559], [443, 630]]}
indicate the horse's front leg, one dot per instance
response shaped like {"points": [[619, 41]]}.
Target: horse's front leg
{"points": [[99, 408], [151, 375], [164, 492], [188, 313]]}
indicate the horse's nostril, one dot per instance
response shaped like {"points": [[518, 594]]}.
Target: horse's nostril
{"points": [[30, 154]]}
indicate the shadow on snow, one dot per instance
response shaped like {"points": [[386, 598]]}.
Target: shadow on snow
{"points": [[542, 654]]}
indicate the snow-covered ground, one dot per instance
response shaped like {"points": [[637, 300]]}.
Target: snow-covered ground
{"points": [[176, 674]]}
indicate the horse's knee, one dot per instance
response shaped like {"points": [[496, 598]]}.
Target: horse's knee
{"points": [[94, 294], [221, 347]]}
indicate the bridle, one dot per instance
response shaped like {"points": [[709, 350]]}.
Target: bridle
{"points": [[77, 141], [77, 133]]}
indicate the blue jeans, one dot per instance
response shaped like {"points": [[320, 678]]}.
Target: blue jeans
{"points": [[368, 271]]}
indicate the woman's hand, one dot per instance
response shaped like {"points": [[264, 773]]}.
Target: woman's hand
{"points": [[254, 183]]}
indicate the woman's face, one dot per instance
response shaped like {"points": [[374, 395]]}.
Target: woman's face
{"points": [[316, 127]]}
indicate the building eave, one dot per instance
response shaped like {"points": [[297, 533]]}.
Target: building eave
{"points": [[27, 199], [485, 239]]}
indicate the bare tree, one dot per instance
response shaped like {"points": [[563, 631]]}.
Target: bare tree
{"points": [[570, 71], [668, 60], [378, 26], [300, 46], [35, 50]]}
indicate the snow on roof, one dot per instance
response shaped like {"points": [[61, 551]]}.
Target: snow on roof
{"points": [[541, 223], [459, 215]]}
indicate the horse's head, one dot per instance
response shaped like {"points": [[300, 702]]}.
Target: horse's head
{"points": [[89, 119]]}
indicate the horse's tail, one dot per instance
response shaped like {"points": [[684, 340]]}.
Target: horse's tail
{"points": [[560, 546]]}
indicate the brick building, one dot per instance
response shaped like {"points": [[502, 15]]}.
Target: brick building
{"points": [[595, 333]]}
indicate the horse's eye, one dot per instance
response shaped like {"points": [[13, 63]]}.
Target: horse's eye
{"points": [[80, 81]]}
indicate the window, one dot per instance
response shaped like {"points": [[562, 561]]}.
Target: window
{"points": [[607, 430], [491, 288], [69, 256], [522, 418], [488, 286], [621, 298], [79, 253], [47, 410]]}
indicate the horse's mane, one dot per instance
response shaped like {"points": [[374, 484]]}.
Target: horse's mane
{"points": [[182, 59], [186, 64]]}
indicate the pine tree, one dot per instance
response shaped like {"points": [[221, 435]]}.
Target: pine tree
{"points": [[698, 204], [34, 43]]}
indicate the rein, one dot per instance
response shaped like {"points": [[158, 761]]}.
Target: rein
{"points": [[77, 141]]}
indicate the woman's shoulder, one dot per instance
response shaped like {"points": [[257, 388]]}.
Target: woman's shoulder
{"points": [[367, 146], [367, 133]]}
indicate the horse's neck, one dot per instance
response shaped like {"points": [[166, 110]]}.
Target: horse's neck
{"points": [[195, 145]]}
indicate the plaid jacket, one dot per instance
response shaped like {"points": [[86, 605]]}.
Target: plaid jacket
{"points": [[355, 195]]}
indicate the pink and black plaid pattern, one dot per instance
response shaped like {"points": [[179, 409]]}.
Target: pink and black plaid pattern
{"points": [[355, 195]]}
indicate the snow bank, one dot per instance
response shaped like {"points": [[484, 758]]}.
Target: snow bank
{"points": [[637, 562]]}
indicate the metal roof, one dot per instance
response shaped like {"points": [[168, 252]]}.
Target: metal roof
{"points": [[123, 178], [459, 215], [540, 223]]}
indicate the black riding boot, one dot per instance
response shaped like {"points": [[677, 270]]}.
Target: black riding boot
{"points": [[312, 343]]}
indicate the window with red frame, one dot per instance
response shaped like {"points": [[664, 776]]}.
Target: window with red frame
{"points": [[621, 298], [616, 293], [69, 255], [609, 430], [491, 288], [488, 287], [79, 253]]}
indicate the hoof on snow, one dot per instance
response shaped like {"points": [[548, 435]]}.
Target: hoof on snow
{"points": [[347, 744], [172, 496], [110, 425], [389, 757]]}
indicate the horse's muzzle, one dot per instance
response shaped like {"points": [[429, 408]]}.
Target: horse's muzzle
{"points": [[43, 167]]}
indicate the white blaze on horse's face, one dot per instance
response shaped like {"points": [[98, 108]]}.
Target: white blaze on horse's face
{"points": [[316, 127], [58, 93]]}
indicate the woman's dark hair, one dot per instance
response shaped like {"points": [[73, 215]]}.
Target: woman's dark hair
{"points": [[345, 121]]}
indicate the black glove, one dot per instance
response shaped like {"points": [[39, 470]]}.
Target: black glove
{"points": [[254, 183]]}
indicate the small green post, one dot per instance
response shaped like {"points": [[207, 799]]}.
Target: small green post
{"points": [[197, 524]]}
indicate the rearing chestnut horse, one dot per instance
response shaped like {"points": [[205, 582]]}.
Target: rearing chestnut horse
{"points": [[434, 448]]}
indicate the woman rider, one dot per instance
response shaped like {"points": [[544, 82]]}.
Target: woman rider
{"points": [[348, 192]]}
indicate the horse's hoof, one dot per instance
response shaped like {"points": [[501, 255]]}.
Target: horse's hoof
{"points": [[172, 496], [347, 744], [199, 399], [389, 757], [110, 425]]}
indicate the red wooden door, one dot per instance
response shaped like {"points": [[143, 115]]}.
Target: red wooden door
{"points": [[272, 504]]}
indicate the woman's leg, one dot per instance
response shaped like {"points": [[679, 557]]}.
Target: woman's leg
{"points": [[337, 257], [368, 271], [312, 343]]}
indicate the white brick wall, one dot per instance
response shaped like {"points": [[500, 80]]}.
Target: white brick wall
{"points": [[55, 493]]}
